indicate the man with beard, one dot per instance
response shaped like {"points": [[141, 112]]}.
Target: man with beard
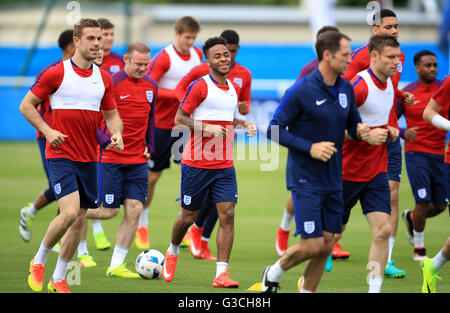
{"points": [[79, 90]]}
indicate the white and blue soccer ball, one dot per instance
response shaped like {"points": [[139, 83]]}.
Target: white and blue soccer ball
{"points": [[149, 264]]}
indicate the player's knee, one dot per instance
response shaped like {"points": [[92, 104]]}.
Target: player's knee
{"points": [[383, 232], [68, 217]]}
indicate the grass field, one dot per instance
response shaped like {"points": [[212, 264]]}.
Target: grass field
{"points": [[262, 197]]}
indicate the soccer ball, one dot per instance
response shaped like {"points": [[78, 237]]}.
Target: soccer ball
{"points": [[149, 264]]}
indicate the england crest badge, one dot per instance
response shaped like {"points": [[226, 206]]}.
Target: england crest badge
{"points": [[149, 94]]}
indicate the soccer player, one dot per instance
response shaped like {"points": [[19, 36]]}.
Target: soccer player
{"points": [[124, 174], [311, 122], [431, 267], [206, 219], [112, 61], [167, 68], [27, 214], [281, 243], [365, 177], [424, 153], [207, 168], [387, 24], [78, 90]]}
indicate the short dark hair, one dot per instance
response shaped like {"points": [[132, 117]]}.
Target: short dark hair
{"points": [[65, 39], [82, 24], [330, 41], [211, 42], [187, 24], [378, 42], [327, 28], [105, 23], [422, 53], [230, 36], [382, 14]]}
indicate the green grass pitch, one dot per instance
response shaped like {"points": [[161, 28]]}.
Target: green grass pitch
{"points": [[262, 197]]}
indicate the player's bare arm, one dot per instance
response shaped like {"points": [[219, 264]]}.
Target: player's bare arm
{"points": [[29, 111], [115, 127], [249, 127], [432, 116], [183, 119]]}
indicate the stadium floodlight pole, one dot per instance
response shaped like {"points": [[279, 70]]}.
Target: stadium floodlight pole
{"points": [[48, 8]]}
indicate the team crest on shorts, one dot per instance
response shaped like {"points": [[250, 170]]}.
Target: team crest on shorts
{"points": [[187, 199], [309, 227], [109, 198], [422, 193], [343, 100], [57, 188], [149, 94]]}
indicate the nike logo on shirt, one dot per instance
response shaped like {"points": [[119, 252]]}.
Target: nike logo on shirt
{"points": [[320, 102], [123, 97]]}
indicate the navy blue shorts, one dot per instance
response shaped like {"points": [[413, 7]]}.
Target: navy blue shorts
{"points": [[199, 184], [316, 212], [374, 196], [394, 150], [123, 181], [426, 173], [67, 176], [164, 144]]}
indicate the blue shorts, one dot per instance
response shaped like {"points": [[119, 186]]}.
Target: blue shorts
{"points": [[426, 173], [164, 144], [394, 169], [317, 212], [67, 176], [123, 181], [374, 196], [199, 184]]}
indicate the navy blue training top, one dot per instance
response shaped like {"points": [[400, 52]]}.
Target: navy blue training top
{"points": [[310, 112]]}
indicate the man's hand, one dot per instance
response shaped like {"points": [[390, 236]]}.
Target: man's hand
{"points": [[214, 130], [363, 131], [411, 133], [146, 154], [323, 150], [377, 136], [251, 129], [408, 98], [54, 137], [117, 142], [393, 133], [243, 107]]}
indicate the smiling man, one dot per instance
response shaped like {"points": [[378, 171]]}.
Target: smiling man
{"points": [[207, 171], [424, 153], [79, 91]]}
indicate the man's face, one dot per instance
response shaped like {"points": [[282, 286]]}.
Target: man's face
{"points": [[185, 41], [388, 26], [233, 48], [90, 42], [342, 58], [219, 59], [99, 60], [387, 61], [108, 38], [427, 68], [136, 64]]}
